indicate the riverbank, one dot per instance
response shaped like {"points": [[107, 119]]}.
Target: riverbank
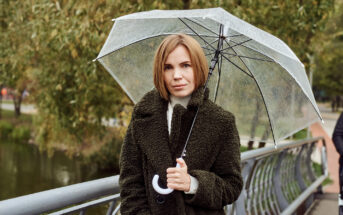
{"points": [[26, 168]]}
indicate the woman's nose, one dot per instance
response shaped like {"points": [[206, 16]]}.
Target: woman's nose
{"points": [[177, 74]]}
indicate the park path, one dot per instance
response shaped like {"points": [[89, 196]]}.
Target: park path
{"points": [[25, 108], [326, 130]]}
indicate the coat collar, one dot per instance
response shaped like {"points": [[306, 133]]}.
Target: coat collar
{"points": [[152, 102], [198, 97], [150, 127]]}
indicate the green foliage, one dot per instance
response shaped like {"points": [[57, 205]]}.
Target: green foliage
{"points": [[21, 134], [243, 149], [107, 157], [6, 129], [12, 129], [319, 171], [47, 47], [295, 22], [328, 74], [300, 135], [15, 48]]}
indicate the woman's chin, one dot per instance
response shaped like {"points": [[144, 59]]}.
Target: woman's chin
{"points": [[181, 93]]}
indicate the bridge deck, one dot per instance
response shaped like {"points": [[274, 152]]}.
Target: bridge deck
{"points": [[326, 203]]}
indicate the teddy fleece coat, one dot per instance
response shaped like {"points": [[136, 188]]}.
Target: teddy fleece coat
{"points": [[213, 157]]}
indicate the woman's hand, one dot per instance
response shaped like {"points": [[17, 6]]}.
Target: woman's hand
{"points": [[178, 178]]}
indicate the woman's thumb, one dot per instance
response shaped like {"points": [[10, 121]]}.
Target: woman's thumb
{"points": [[181, 162]]}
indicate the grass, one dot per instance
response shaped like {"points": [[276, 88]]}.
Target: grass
{"points": [[10, 101], [318, 171], [17, 129], [23, 119], [7, 102], [243, 148]]}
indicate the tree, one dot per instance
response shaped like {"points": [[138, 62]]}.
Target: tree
{"points": [[328, 74], [15, 52], [48, 47]]}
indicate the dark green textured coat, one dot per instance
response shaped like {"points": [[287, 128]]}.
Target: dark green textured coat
{"points": [[213, 157]]}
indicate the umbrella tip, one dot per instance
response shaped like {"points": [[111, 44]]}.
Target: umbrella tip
{"points": [[323, 121], [275, 146]]}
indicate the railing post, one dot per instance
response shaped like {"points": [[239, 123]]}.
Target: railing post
{"points": [[283, 203], [298, 175], [111, 208], [239, 205], [310, 172], [325, 170]]}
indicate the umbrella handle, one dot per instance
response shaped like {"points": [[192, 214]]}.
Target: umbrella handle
{"points": [[157, 188]]}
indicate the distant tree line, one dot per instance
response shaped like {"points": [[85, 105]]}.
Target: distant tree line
{"points": [[47, 47]]}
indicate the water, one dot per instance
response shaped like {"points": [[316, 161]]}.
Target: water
{"points": [[24, 170]]}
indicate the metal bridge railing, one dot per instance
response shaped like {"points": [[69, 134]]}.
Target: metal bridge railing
{"points": [[276, 181]]}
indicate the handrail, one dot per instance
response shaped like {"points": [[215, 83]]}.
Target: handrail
{"points": [[58, 198], [271, 149], [254, 163], [298, 201]]}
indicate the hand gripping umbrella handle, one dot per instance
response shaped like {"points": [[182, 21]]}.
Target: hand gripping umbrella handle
{"points": [[157, 188]]}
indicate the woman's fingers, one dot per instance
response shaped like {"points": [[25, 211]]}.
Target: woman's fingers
{"points": [[181, 162], [174, 180], [178, 177], [176, 186]]}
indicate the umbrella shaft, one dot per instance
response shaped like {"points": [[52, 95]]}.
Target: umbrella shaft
{"points": [[214, 62]]}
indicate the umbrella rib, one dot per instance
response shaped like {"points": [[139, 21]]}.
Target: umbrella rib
{"points": [[237, 35], [251, 49], [219, 75], [211, 43], [207, 49], [197, 34], [239, 57], [204, 35], [203, 27], [252, 58], [258, 86], [209, 54], [236, 65], [291, 76], [265, 105], [236, 44]]}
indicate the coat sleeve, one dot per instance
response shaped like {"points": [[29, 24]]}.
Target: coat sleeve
{"points": [[223, 184], [337, 136], [131, 180]]}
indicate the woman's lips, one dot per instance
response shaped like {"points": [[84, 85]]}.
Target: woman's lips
{"points": [[179, 86]]}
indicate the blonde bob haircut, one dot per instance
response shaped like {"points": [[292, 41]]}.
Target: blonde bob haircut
{"points": [[198, 61]]}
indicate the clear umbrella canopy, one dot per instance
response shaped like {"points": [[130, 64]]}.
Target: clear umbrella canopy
{"points": [[258, 78]]}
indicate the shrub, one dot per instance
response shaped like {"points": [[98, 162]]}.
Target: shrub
{"points": [[21, 134], [6, 129]]}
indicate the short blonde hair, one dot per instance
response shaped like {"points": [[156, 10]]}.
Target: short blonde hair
{"points": [[198, 61]]}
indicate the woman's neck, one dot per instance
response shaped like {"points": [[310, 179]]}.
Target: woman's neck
{"points": [[179, 100]]}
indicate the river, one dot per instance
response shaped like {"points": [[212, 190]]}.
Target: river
{"points": [[24, 170]]}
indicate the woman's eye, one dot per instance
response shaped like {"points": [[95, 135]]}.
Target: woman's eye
{"points": [[167, 67], [186, 65]]}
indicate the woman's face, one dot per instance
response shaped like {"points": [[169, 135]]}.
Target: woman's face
{"points": [[178, 73]]}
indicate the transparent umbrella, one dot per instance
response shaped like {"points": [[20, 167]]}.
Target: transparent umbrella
{"points": [[256, 76]]}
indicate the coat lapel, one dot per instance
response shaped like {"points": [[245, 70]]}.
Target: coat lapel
{"points": [[150, 131], [150, 128]]}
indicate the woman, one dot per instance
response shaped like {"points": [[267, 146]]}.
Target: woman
{"points": [[209, 177]]}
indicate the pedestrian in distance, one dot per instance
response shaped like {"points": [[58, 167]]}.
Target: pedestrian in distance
{"points": [[209, 176]]}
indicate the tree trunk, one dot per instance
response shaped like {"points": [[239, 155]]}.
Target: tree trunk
{"points": [[1, 86], [17, 98], [254, 125], [186, 4]]}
